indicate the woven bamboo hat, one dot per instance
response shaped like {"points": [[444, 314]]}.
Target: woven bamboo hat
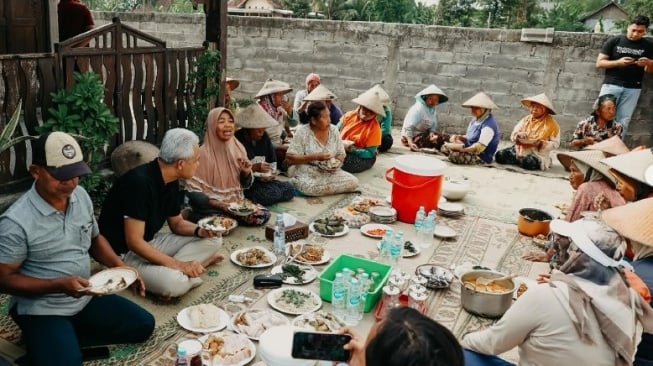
{"points": [[541, 99], [320, 93], [253, 116], [432, 89], [633, 220], [589, 157], [633, 164], [480, 100], [371, 101], [383, 95], [233, 83], [273, 86], [612, 146]]}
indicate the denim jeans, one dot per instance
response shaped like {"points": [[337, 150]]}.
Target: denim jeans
{"points": [[626, 103], [477, 359], [56, 340]]}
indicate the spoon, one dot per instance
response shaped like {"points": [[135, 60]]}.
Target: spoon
{"points": [[483, 281]]}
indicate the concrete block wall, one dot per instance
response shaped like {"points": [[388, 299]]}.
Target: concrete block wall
{"points": [[352, 56]]}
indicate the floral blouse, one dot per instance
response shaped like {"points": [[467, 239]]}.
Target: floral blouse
{"points": [[588, 128]]}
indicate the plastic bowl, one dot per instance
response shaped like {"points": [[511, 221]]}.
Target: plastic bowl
{"points": [[454, 191]]}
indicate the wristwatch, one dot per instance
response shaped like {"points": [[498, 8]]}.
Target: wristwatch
{"points": [[196, 233]]}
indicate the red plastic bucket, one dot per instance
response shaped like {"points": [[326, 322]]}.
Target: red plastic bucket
{"points": [[416, 181]]}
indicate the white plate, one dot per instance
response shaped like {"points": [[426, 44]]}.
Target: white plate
{"points": [[444, 231], [205, 224], [368, 227], [274, 320], [273, 258], [233, 208], [344, 231], [309, 275], [331, 321], [104, 281], [326, 257], [250, 345], [314, 301], [183, 318], [404, 253], [451, 207], [269, 174]]}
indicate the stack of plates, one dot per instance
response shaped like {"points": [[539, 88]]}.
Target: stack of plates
{"points": [[383, 214], [451, 209]]}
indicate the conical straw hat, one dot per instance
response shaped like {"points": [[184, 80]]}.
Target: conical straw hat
{"points": [[233, 83], [383, 95], [633, 164], [612, 146], [432, 89], [370, 101], [633, 220], [320, 93], [590, 157], [273, 86], [539, 99], [253, 116], [480, 100]]}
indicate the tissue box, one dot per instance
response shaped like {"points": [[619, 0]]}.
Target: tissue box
{"points": [[293, 233]]}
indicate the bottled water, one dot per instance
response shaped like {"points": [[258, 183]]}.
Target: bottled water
{"points": [[386, 243], [426, 237], [353, 300], [397, 247], [419, 222], [338, 296], [417, 236], [279, 236], [365, 284]]}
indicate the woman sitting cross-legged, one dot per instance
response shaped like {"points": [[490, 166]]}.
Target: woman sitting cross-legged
{"points": [[600, 125], [223, 173], [361, 127], [315, 156], [266, 189]]}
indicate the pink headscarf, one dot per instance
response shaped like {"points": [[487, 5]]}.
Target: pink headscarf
{"points": [[312, 77]]}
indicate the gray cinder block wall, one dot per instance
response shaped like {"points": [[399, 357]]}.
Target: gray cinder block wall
{"points": [[352, 56]]}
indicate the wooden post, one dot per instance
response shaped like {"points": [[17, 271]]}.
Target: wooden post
{"points": [[216, 35]]}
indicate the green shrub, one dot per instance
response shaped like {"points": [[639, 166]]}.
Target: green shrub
{"points": [[206, 75]]}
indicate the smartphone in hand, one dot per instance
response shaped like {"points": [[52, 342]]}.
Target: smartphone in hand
{"points": [[320, 346]]}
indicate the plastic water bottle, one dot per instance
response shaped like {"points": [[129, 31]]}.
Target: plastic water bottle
{"points": [[279, 236], [386, 243], [397, 247], [181, 357], [353, 300], [427, 230], [420, 215], [338, 296], [364, 279]]}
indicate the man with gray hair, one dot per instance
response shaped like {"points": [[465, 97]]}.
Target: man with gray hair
{"points": [[138, 205]]}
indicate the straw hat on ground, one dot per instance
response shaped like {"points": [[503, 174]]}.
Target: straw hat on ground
{"points": [[589, 157], [612, 146], [383, 95], [432, 89], [633, 164], [233, 83], [480, 100], [273, 86], [131, 154], [371, 101], [254, 117], [541, 99], [320, 93], [634, 220]]}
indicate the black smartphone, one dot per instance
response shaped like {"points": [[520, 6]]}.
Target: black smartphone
{"points": [[320, 346], [267, 281], [95, 353]]}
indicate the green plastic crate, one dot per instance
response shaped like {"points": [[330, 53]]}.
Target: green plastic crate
{"points": [[351, 262]]}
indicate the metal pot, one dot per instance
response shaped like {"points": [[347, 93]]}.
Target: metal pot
{"points": [[488, 305], [533, 222]]}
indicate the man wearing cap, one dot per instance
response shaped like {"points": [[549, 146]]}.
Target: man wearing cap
{"points": [[47, 238], [421, 121], [482, 139], [535, 136], [583, 313], [625, 58], [361, 127], [320, 94], [141, 201], [312, 82]]}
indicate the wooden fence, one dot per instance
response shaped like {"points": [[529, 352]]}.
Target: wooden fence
{"points": [[146, 87]]}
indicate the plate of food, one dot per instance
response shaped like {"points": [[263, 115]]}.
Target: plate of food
{"points": [[331, 164], [218, 224], [374, 230], [253, 257], [363, 204], [242, 208], [203, 318], [111, 280], [294, 301], [226, 348], [295, 274], [410, 250], [252, 323], [269, 174], [540, 240], [319, 321], [330, 227], [308, 254]]}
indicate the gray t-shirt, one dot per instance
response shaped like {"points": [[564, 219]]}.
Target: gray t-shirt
{"points": [[49, 244]]}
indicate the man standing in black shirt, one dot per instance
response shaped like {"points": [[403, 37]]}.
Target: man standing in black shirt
{"points": [[625, 58]]}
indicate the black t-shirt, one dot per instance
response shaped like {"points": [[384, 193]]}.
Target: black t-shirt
{"points": [[628, 76], [142, 195], [263, 147]]}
